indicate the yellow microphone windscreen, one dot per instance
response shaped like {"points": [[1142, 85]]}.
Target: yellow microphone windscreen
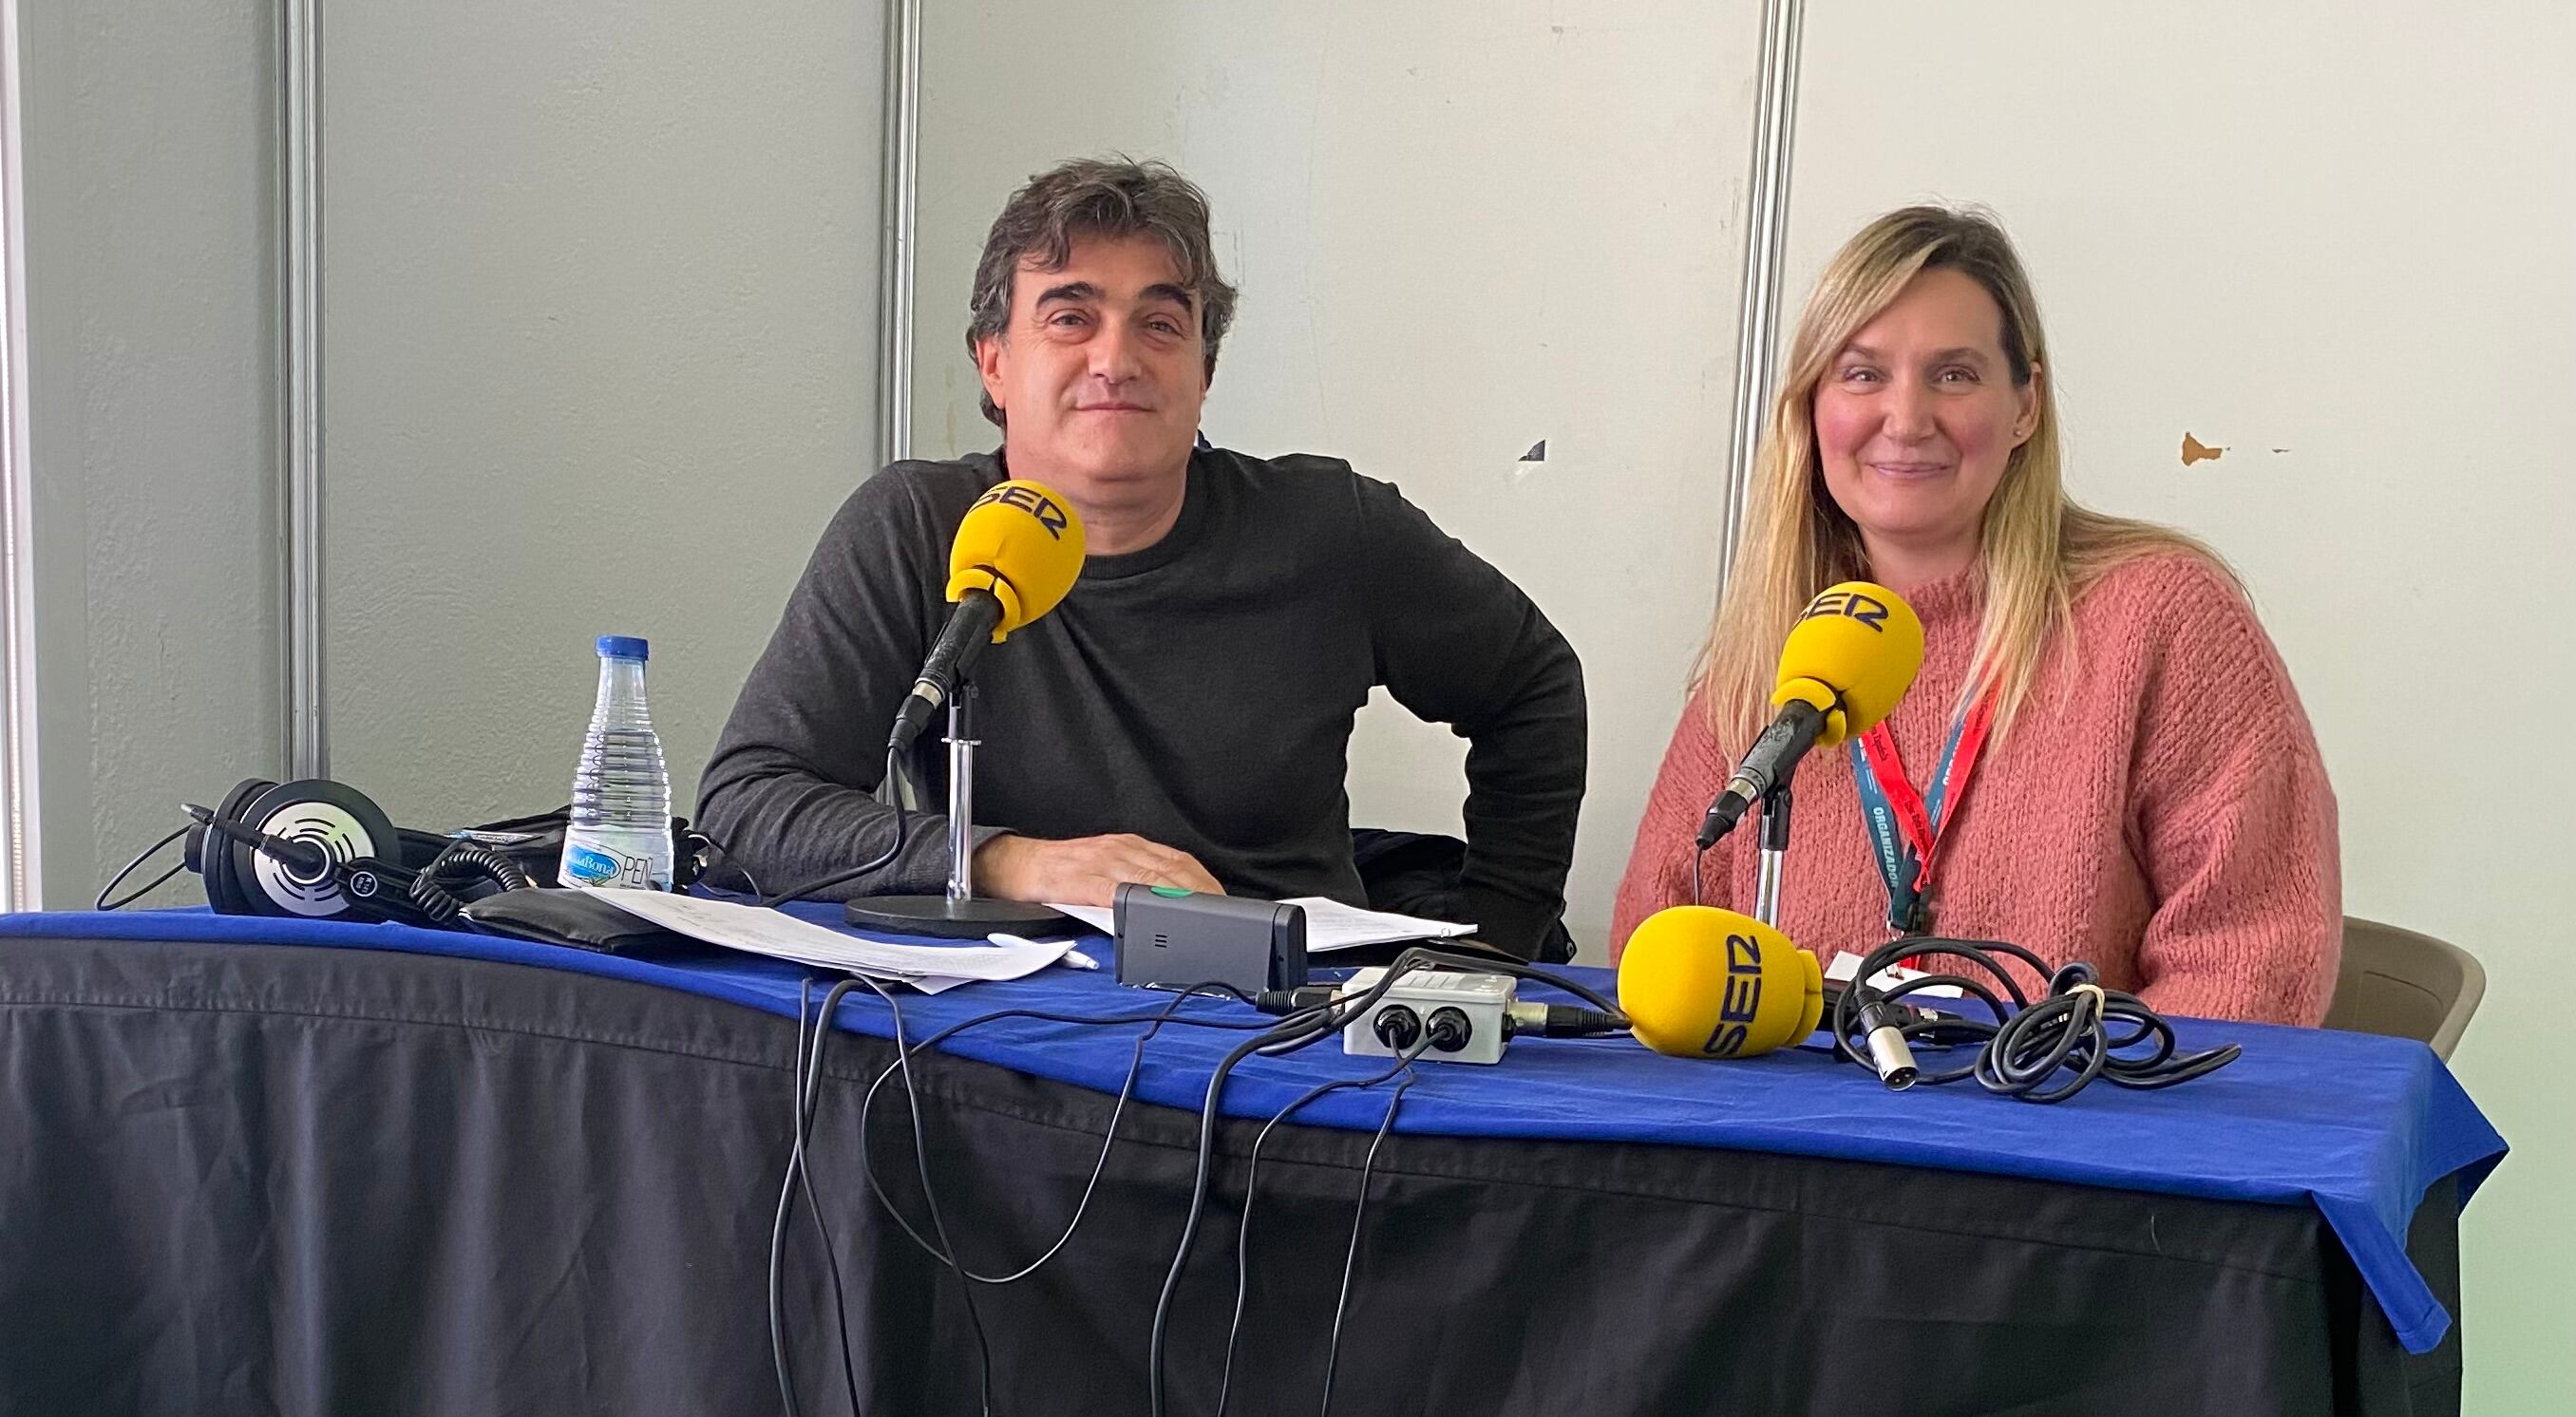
{"points": [[1853, 653], [1700, 982], [1023, 543]]}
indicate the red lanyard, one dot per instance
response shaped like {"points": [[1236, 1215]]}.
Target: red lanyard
{"points": [[1892, 809]]}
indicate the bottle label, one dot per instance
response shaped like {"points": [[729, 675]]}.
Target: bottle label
{"points": [[603, 856]]}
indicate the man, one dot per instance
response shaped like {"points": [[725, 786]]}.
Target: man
{"points": [[1184, 717]]}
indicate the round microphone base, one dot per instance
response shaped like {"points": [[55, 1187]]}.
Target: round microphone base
{"points": [[942, 918]]}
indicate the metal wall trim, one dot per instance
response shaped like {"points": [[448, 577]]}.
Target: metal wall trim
{"points": [[898, 224], [1766, 232], [307, 737], [21, 875]]}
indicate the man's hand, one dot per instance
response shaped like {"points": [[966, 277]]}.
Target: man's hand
{"points": [[1084, 871]]}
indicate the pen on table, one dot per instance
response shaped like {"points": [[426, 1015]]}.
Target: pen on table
{"points": [[1071, 959]]}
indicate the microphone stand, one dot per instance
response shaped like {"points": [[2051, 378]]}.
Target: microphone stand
{"points": [[962, 744], [959, 914], [1775, 854]]}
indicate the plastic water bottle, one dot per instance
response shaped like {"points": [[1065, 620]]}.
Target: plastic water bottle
{"points": [[621, 795]]}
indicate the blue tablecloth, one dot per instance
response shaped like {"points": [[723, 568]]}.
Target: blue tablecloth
{"points": [[2356, 1125]]}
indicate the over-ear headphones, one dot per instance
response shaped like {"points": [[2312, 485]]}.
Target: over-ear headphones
{"points": [[334, 817], [321, 850]]}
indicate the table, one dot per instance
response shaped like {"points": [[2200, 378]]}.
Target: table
{"points": [[261, 1165]]}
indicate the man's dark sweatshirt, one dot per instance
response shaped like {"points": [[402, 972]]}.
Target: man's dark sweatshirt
{"points": [[1198, 693]]}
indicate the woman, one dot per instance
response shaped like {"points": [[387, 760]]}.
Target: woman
{"points": [[2110, 758]]}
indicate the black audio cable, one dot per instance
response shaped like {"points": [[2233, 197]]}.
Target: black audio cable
{"points": [[130, 867], [1533, 1020], [1560, 1020], [798, 1173], [2018, 1051], [433, 888], [1303, 1028], [842, 877], [1251, 1186], [806, 1096], [945, 1250], [940, 1249], [726, 852], [808, 1101], [929, 1193], [1351, 1257], [1154, 1022], [1298, 1031]]}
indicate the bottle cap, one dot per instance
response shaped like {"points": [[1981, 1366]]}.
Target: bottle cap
{"points": [[623, 647]]}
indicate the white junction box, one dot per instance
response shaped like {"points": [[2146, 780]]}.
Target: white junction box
{"points": [[1480, 1000]]}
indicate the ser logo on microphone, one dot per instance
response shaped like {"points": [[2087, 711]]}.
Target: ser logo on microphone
{"points": [[1028, 499], [1742, 999], [1849, 603]]}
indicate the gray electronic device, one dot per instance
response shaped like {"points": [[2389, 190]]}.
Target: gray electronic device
{"points": [[1172, 938]]}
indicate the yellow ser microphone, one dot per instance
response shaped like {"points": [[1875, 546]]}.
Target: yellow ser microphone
{"points": [[1017, 554], [1700, 982], [1852, 655], [1021, 544]]}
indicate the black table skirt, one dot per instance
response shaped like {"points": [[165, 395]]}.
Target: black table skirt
{"points": [[253, 1179]]}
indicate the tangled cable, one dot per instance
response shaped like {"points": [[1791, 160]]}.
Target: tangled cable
{"points": [[1304, 1025], [2022, 1049], [434, 890]]}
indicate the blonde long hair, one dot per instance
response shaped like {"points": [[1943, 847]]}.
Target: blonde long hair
{"points": [[2039, 549]]}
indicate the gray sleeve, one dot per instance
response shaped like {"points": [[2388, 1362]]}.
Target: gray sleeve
{"points": [[790, 790], [1457, 643]]}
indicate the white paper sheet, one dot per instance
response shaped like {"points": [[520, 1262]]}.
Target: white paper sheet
{"points": [[929, 968], [1330, 925]]}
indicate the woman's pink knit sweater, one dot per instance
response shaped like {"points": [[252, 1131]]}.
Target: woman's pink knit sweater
{"points": [[2158, 808]]}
